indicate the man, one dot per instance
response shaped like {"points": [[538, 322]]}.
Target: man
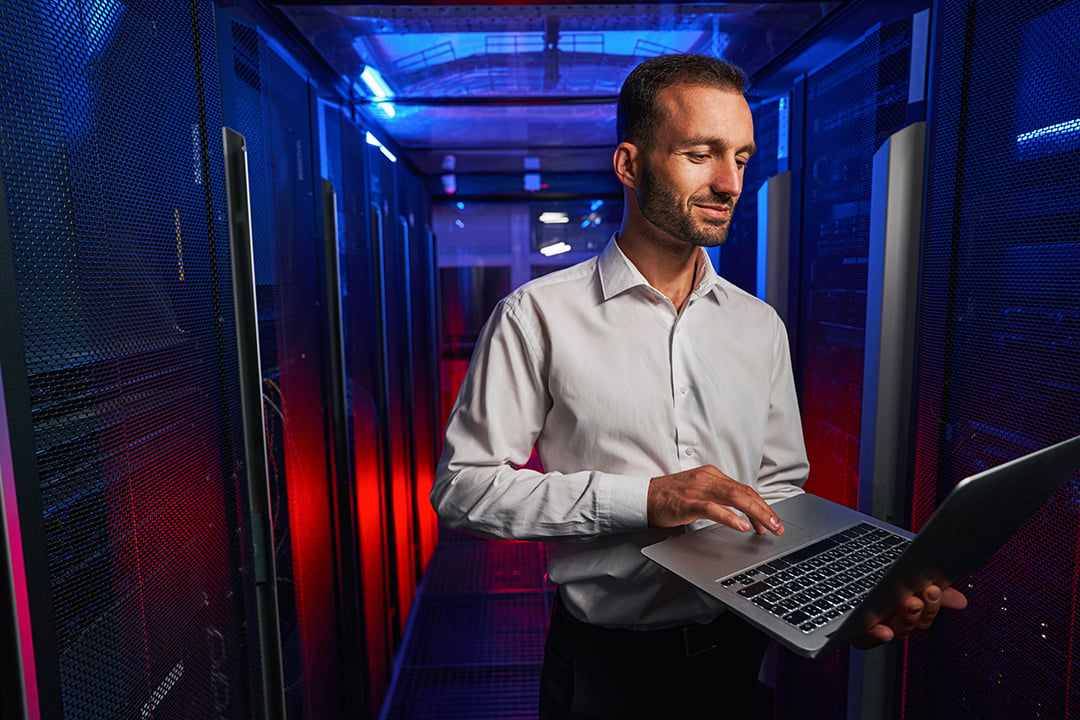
{"points": [[658, 397]]}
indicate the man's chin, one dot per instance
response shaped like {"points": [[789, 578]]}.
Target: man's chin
{"points": [[715, 238]]}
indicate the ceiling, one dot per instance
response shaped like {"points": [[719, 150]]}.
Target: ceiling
{"points": [[487, 92]]}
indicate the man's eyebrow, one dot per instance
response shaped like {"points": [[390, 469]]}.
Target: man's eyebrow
{"points": [[712, 142]]}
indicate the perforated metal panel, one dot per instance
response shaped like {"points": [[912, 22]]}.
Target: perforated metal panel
{"points": [[113, 182], [1000, 347], [853, 104], [738, 255], [474, 646], [271, 105]]}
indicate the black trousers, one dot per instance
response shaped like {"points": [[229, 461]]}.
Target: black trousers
{"points": [[699, 671]]}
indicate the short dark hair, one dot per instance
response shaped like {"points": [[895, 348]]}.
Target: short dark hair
{"points": [[639, 114]]}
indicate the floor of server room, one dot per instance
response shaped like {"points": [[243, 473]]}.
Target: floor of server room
{"points": [[474, 643]]}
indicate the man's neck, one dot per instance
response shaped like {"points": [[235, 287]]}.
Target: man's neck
{"points": [[671, 270]]}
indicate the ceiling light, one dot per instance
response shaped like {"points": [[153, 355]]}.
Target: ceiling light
{"points": [[554, 218], [557, 249], [375, 83], [372, 140]]}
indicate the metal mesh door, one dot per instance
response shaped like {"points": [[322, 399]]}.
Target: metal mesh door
{"points": [[113, 183]]}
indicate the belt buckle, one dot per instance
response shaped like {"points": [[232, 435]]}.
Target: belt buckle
{"points": [[695, 645]]}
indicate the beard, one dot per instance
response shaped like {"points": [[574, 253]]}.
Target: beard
{"points": [[665, 210]]}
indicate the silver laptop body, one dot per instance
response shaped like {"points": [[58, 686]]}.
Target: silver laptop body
{"points": [[836, 596]]}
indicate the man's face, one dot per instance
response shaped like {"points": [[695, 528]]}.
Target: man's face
{"points": [[691, 176]]}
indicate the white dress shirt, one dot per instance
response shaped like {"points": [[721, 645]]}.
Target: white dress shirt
{"points": [[613, 386]]}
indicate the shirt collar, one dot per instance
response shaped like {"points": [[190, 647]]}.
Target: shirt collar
{"points": [[618, 274]]}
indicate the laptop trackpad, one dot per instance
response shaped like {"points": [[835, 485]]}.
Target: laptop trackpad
{"points": [[729, 550]]}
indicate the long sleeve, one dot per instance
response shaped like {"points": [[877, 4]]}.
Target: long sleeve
{"points": [[499, 413], [784, 467]]}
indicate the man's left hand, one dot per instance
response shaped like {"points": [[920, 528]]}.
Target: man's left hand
{"points": [[915, 613]]}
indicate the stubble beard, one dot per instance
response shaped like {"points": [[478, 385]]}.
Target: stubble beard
{"points": [[662, 207]]}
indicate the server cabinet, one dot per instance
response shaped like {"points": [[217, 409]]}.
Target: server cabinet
{"points": [[853, 104], [738, 259], [123, 505], [422, 323], [268, 99], [999, 347], [345, 163], [848, 107], [392, 298]]}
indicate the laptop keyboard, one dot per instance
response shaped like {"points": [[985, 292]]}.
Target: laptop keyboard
{"points": [[809, 587]]}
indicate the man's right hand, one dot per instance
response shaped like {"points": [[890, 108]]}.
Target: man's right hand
{"points": [[706, 493]]}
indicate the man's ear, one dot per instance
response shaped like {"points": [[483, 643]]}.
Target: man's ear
{"points": [[626, 161]]}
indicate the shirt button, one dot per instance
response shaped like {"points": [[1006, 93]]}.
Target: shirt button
{"points": [[689, 451], [683, 390]]}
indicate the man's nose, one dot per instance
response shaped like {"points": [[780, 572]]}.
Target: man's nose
{"points": [[727, 179]]}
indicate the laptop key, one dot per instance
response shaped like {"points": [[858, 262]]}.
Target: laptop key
{"points": [[751, 590], [764, 604]]}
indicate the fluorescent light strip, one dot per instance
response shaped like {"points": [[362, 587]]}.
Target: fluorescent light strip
{"points": [[557, 249], [376, 84], [372, 140], [554, 218]]}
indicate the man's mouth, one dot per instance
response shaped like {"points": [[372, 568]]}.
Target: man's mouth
{"points": [[717, 212]]}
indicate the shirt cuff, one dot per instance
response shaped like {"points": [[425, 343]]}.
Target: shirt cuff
{"points": [[622, 502]]}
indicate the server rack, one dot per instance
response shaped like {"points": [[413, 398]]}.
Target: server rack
{"points": [[841, 114], [998, 349], [738, 258], [422, 324], [346, 158], [270, 101], [121, 481], [392, 305]]}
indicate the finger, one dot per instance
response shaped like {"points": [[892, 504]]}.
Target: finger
{"points": [[931, 604], [877, 635], [906, 618], [764, 519], [760, 514], [724, 516], [953, 599]]}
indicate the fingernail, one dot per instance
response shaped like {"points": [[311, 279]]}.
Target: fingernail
{"points": [[743, 525], [775, 522]]}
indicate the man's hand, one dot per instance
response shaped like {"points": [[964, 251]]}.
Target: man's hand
{"points": [[915, 613], [707, 493]]}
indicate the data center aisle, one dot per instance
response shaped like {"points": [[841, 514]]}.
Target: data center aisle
{"points": [[474, 643]]}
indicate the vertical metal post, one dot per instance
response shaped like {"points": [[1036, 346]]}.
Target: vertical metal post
{"points": [[888, 373], [247, 341]]}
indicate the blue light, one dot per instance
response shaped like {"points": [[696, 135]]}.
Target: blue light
{"points": [[461, 206], [597, 204], [375, 83], [101, 19], [372, 140], [1050, 140], [784, 130]]}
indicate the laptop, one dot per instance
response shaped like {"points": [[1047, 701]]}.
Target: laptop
{"points": [[836, 572]]}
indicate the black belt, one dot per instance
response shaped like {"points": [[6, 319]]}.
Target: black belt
{"points": [[682, 641]]}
